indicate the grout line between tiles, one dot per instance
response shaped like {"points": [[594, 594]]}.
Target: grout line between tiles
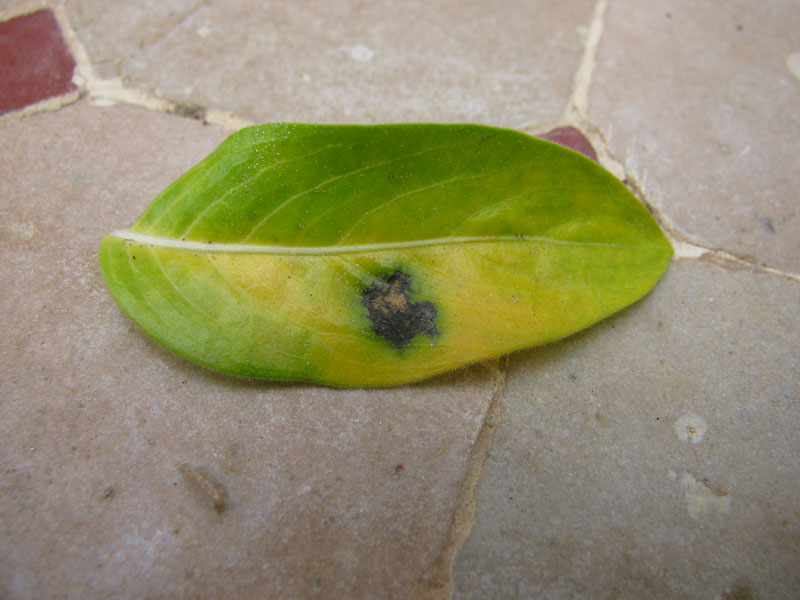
{"points": [[101, 92], [727, 260], [576, 114], [438, 582], [687, 250], [109, 92], [578, 104]]}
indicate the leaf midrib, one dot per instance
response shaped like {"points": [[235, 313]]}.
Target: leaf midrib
{"points": [[192, 246]]}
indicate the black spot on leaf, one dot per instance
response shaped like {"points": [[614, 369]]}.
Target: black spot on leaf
{"points": [[392, 313]]}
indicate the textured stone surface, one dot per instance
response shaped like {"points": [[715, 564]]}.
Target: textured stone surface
{"points": [[571, 138], [318, 492], [507, 63], [652, 456], [699, 101]]}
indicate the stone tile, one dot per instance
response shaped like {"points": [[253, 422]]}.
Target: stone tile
{"points": [[651, 456], [35, 63], [120, 459], [700, 102], [505, 63], [571, 138]]}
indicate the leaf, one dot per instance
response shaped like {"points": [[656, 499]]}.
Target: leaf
{"points": [[377, 255]]}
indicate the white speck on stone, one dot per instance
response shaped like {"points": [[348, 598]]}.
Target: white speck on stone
{"points": [[102, 102], [700, 498], [78, 79], [306, 78], [204, 31], [687, 250], [360, 52], [691, 428], [793, 62]]}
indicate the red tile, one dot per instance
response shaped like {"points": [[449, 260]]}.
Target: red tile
{"points": [[571, 138], [35, 63]]}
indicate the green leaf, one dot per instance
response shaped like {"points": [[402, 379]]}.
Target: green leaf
{"points": [[377, 255]]}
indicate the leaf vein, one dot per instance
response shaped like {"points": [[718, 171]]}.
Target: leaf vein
{"points": [[212, 248], [231, 190], [418, 190], [168, 208], [289, 200]]}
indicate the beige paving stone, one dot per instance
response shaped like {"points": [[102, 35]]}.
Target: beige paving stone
{"points": [[503, 63], [128, 472], [699, 101], [651, 456]]}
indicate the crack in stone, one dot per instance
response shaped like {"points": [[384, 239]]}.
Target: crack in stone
{"points": [[165, 29], [437, 583]]}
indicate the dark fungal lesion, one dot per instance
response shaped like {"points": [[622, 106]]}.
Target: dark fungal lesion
{"points": [[393, 315]]}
